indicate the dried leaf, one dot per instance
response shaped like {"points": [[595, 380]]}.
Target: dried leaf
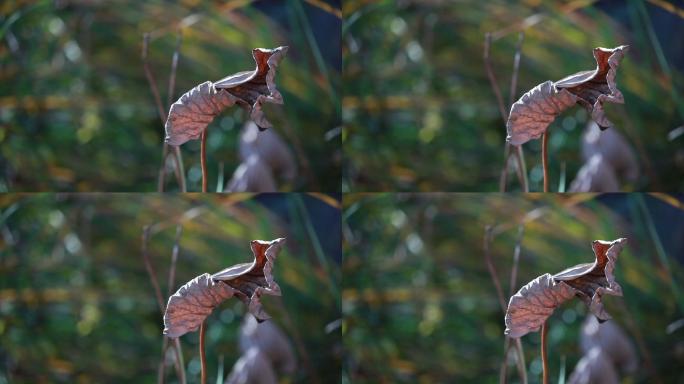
{"points": [[258, 86], [529, 308], [596, 175], [531, 115], [534, 303], [535, 110], [192, 112], [271, 148], [194, 301], [251, 280], [252, 175]]}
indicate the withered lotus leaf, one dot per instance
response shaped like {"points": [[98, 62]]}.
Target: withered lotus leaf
{"points": [[529, 308], [194, 301], [251, 280], [193, 111], [531, 115]]}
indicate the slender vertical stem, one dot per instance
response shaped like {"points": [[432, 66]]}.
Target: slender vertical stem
{"points": [[178, 157], [492, 269], [203, 357], [179, 359], [545, 362], [522, 177], [516, 67], [545, 159], [203, 160], [180, 174]]}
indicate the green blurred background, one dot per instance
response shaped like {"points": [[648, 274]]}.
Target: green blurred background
{"points": [[420, 114], [77, 114], [76, 303], [419, 304]]}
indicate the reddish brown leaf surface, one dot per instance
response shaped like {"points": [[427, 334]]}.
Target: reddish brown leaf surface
{"points": [[529, 308], [254, 279], [192, 112], [194, 301], [531, 115]]}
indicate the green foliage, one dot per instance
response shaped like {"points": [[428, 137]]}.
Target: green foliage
{"points": [[76, 303], [77, 113], [420, 306], [420, 114]]}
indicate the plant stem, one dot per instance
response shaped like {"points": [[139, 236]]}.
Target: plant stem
{"points": [[545, 362], [203, 357], [203, 160], [545, 159]]}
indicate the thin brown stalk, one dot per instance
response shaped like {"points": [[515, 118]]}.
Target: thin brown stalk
{"points": [[174, 258], [516, 260], [504, 116], [180, 174], [178, 157], [545, 159], [492, 78], [150, 78], [150, 270], [203, 357], [516, 68], [503, 371], [520, 158], [520, 361], [503, 178], [178, 363], [203, 160], [522, 370], [160, 109], [491, 269], [545, 361]]}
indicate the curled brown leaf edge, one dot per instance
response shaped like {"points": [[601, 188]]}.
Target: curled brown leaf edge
{"points": [[190, 115], [529, 308], [192, 303], [531, 115]]}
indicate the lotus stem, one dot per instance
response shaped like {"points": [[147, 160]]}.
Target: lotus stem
{"points": [[203, 357], [545, 159], [203, 160], [545, 362]]}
